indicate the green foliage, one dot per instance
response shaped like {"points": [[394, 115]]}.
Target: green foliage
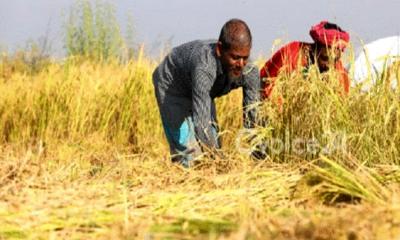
{"points": [[194, 227], [92, 31]]}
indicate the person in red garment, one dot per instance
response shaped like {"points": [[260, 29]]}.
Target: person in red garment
{"points": [[329, 39]]}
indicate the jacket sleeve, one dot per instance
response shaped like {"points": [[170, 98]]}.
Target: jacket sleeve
{"points": [[202, 107], [251, 95]]}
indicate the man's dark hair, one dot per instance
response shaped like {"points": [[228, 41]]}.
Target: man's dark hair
{"points": [[235, 32]]}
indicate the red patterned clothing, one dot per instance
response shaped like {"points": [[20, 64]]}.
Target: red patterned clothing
{"points": [[287, 59]]}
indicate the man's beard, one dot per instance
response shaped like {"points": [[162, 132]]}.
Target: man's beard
{"points": [[234, 78]]}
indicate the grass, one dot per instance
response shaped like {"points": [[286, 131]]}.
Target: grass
{"points": [[83, 156]]}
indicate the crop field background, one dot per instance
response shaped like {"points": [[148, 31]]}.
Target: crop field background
{"points": [[83, 154]]}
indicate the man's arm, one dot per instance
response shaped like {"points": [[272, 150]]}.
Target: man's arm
{"points": [[201, 86], [251, 99], [251, 95]]}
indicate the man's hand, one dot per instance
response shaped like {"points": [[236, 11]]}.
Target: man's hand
{"points": [[259, 152]]}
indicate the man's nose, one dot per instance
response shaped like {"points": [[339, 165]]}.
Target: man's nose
{"points": [[241, 62]]}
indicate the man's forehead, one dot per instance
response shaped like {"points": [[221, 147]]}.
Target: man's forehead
{"points": [[239, 48], [329, 50], [240, 52]]}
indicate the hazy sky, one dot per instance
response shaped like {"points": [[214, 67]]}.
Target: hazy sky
{"points": [[179, 21]]}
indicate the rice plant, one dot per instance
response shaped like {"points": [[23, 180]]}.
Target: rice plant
{"points": [[83, 155]]}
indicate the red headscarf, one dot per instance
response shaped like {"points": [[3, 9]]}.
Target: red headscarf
{"points": [[329, 34]]}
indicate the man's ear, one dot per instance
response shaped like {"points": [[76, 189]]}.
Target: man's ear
{"points": [[218, 49]]}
